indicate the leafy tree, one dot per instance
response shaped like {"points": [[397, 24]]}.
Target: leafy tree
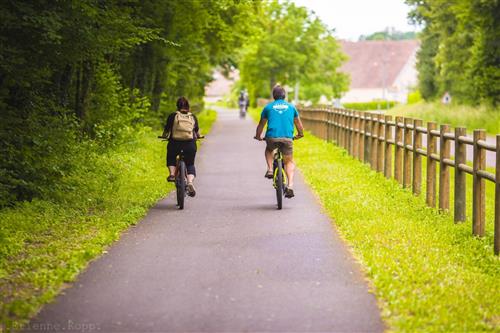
{"points": [[460, 50], [86, 73], [292, 46]]}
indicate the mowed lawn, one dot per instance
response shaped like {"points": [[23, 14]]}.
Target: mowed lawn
{"points": [[428, 273]]}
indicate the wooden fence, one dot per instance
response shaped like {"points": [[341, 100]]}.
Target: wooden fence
{"points": [[395, 148]]}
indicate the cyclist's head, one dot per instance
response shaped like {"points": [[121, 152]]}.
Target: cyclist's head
{"points": [[182, 103], [278, 92]]}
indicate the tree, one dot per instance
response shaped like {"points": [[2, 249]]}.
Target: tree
{"points": [[292, 46], [72, 72], [460, 50]]}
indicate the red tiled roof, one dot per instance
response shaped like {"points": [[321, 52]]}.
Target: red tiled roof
{"points": [[370, 60]]}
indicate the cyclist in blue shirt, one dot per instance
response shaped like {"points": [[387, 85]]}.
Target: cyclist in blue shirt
{"points": [[281, 117]]}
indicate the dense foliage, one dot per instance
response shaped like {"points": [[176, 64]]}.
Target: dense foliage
{"points": [[460, 49], [292, 46], [88, 73]]}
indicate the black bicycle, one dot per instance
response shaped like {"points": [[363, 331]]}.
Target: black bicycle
{"points": [[180, 176], [279, 176], [180, 179]]}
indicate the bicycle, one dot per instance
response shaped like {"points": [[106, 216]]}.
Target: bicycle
{"points": [[279, 175], [180, 176], [243, 109]]}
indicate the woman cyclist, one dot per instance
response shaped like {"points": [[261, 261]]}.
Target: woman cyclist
{"points": [[182, 131]]}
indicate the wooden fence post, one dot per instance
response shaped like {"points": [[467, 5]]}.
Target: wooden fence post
{"points": [[350, 132], [478, 186], [336, 127], [496, 240], [367, 137], [373, 144], [398, 152], [460, 187], [431, 166], [407, 153], [325, 124], [388, 151], [380, 143], [417, 158], [342, 129], [444, 172], [361, 148], [355, 144]]}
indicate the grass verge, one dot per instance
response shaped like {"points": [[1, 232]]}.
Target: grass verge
{"points": [[454, 115], [428, 273], [45, 244]]}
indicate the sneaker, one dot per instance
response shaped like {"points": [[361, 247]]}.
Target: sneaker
{"points": [[171, 178], [289, 193], [191, 191], [269, 174]]}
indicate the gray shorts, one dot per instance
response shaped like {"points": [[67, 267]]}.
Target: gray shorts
{"points": [[286, 145]]}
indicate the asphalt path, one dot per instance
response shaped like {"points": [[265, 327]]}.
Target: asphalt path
{"points": [[229, 262]]}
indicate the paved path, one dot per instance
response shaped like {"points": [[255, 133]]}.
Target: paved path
{"points": [[230, 262]]}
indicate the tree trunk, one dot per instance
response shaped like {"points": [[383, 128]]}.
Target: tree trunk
{"points": [[78, 111], [64, 85]]}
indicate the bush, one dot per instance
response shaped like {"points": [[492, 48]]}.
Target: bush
{"points": [[367, 106], [414, 97], [46, 243]]}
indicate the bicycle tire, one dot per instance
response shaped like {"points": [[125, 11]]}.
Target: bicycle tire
{"points": [[279, 185], [181, 185]]}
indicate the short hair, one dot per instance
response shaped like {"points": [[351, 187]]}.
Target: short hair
{"points": [[278, 92], [182, 103]]}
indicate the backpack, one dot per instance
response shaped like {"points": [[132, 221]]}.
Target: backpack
{"points": [[183, 126]]}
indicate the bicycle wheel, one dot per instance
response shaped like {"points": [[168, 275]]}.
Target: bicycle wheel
{"points": [[279, 184], [181, 184]]}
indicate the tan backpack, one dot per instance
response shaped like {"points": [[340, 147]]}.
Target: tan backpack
{"points": [[183, 126]]}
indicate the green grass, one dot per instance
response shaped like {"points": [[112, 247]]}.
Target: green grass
{"points": [[454, 115], [428, 273], [44, 244]]}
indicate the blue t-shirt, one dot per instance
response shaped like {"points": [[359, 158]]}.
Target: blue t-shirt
{"points": [[280, 115]]}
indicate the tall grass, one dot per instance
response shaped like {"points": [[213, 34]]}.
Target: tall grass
{"points": [[481, 117]]}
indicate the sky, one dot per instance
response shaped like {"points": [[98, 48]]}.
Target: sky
{"points": [[352, 18]]}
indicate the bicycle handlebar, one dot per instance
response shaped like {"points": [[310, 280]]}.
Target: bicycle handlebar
{"points": [[165, 138], [296, 137]]}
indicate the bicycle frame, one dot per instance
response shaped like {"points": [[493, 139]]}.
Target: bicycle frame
{"points": [[278, 157]]}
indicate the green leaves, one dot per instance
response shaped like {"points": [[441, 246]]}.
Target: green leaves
{"points": [[460, 51], [292, 46]]}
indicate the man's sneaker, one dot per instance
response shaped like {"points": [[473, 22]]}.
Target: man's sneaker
{"points": [[289, 193], [191, 191], [171, 178], [269, 174]]}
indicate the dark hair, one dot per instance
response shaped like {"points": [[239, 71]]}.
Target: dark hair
{"points": [[278, 92], [182, 103]]}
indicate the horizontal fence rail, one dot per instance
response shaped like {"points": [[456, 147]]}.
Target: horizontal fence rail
{"points": [[395, 148]]}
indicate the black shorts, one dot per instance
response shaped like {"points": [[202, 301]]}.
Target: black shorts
{"points": [[188, 147]]}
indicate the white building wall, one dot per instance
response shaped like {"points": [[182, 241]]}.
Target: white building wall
{"points": [[362, 95]]}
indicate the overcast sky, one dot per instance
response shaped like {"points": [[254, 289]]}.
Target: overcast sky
{"points": [[352, 18]]}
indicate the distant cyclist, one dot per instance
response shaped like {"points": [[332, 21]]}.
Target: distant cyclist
{"points": [[280, 117], [182, 131], [243, 103]]}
